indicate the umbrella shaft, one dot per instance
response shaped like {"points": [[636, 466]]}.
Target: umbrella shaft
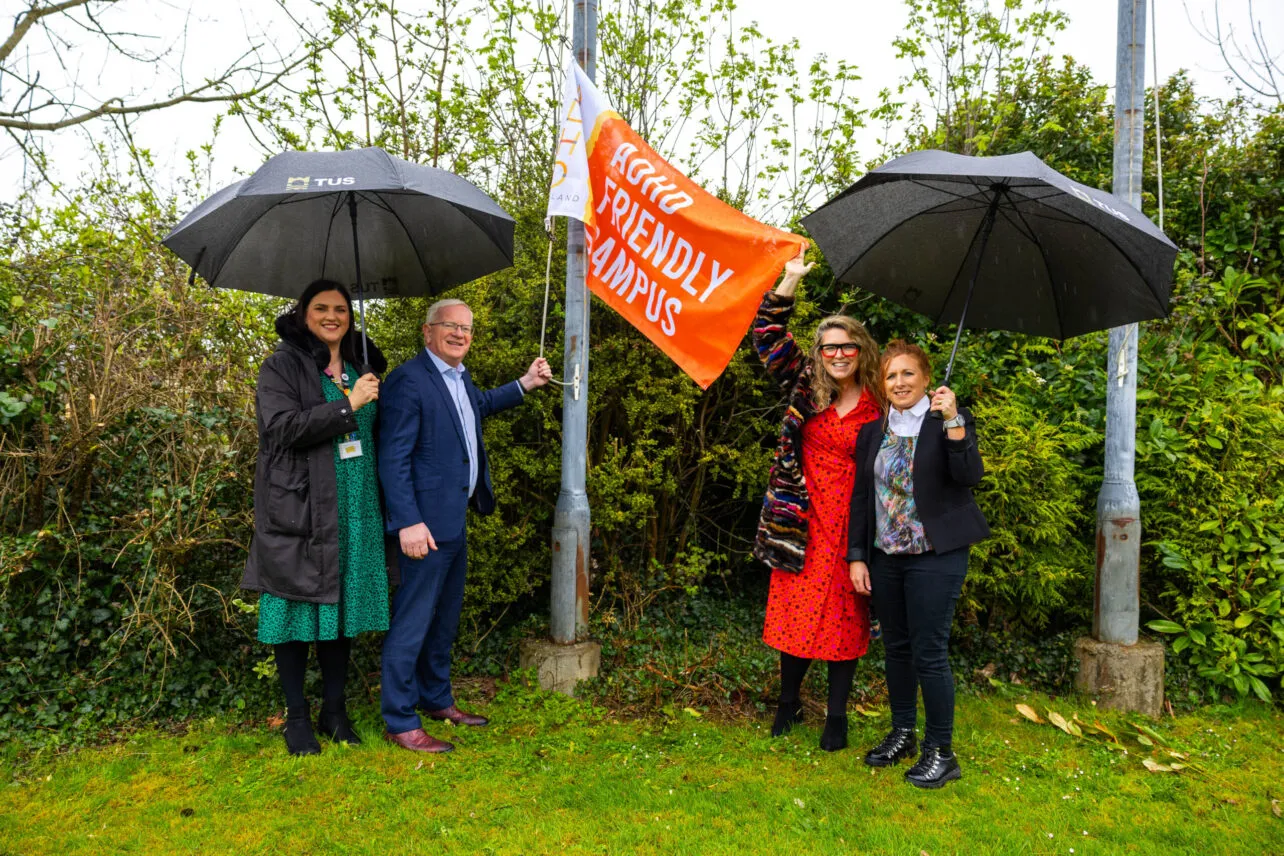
{"points": [[361, 295], [986, 228]]}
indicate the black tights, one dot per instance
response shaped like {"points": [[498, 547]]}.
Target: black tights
{"points": [[841, 672], [292, 667]]}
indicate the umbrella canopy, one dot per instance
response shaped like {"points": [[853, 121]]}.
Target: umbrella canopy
{"points": [[307, 215], [1045, 255]]}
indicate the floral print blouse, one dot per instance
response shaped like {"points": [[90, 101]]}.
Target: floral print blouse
{"points": [[898, 529]]}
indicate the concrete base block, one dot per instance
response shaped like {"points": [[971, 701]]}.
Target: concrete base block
{"points": [[1122, 677], [561, 667]]}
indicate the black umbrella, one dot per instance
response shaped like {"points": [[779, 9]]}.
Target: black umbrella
{"points": [[390, 227], [1053, 257]]}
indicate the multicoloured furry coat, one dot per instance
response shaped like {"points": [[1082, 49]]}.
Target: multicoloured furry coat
{"points": [[782, 527]]}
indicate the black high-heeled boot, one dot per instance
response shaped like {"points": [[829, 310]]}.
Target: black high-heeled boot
{"points": [[299, 738], [335, 725], [788, 714], [834, 737]]}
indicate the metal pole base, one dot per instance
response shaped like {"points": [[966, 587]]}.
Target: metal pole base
{"points": [[1122, 677], [561, 667]]}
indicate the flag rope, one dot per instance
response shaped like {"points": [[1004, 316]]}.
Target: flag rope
{"points": [[548, 279]]}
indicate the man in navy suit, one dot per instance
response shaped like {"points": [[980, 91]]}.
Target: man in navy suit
{"points": [[432, 466]]}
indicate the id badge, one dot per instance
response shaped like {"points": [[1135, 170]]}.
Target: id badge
{"points": [[349, 449]]}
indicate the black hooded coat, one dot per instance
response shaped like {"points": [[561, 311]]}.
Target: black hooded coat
{"points": [[295, 550]]}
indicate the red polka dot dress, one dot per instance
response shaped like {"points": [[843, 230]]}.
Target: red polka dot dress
{"points": [[817, 613]]}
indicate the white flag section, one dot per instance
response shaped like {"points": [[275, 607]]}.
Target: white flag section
{"points": [[679, 264], [570, 193]]}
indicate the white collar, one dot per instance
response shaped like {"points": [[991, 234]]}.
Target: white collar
{"points": [[442, 365], [909, 422]]}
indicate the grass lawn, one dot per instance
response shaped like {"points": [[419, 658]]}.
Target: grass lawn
{"points": [[552, 775]]}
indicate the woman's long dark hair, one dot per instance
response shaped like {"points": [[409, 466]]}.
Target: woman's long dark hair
{"points": [[297, 317]]}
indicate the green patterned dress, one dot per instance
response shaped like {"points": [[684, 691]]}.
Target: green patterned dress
{"points": [[363, 587]]}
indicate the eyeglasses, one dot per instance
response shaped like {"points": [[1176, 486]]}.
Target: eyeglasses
{"points": [[453, 327], [848, 349]]}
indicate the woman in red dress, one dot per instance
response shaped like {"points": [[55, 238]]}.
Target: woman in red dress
{"points": [[813, 609]]}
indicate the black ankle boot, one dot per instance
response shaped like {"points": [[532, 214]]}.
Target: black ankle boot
{"points": [[335, 725], [299, 739], [899, 743], [834, 736], [936, 766], [788, 714]]}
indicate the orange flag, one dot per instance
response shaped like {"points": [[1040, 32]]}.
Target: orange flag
{"points": [[678, 263]]}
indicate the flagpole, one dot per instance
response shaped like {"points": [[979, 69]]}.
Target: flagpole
{"points": [[1123, 671], [570, 581]]}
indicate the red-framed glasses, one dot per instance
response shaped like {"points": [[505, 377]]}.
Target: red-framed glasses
{"points": [[832, 350]]}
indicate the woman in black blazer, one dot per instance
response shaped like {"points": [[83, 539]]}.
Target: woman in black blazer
{"points": [[912, 519]]}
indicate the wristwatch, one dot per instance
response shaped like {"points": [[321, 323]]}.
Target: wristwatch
{"points": [[957, 422]]}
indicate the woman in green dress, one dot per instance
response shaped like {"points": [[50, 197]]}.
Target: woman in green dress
{"points": [[318, 554]]}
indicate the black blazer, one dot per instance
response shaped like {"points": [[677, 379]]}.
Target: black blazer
{"points": [[945, 471]]}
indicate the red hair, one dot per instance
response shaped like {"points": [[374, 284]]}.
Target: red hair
{"points": [[901, 348]]}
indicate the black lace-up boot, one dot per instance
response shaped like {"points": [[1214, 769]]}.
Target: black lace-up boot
{"points": [[936, 766], [899, 744]]}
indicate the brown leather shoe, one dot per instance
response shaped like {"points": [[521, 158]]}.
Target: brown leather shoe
{"points": [[458, 717], [418, 741]]}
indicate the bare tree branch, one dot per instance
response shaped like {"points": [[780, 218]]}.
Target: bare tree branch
{"points": [[1255, 67], [28, 19], [246, 77]]}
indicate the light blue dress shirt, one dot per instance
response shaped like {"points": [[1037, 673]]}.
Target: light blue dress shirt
{"points": [[454, 378]]}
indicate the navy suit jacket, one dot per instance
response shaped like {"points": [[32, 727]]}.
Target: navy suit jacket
{"points": [[423, 459]]}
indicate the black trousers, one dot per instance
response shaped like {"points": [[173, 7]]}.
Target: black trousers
{"points": [[914, 597]]}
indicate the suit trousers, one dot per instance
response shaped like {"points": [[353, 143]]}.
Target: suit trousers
{"points": [[425, 620], [914, 597]]}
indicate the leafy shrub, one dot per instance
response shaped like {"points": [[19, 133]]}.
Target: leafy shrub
{"points": [[1211, 475], [1036, 565], [126, 454]]}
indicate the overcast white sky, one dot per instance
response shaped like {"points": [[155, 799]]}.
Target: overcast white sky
{"points": [[859, 31]]}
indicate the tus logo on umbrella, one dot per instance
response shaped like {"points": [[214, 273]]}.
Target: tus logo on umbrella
{"points": [[305, 182]]}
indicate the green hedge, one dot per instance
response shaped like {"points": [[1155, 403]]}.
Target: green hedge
{"points": [[127, 445]]}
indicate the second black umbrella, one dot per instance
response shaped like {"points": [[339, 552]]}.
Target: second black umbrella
{"points": [[999, 243]]}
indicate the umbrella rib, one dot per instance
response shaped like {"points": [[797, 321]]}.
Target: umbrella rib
{"points": [[1022, 228], [1056, 295], [941, 209], [325, 253], [299, 198], [380, 203], [376, 200], [935, 209], [1133, 265], [969, 196], [213, 280], [1110, 240], [473, 214], [1068, 220], [954, 283], [1040, 207]]}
